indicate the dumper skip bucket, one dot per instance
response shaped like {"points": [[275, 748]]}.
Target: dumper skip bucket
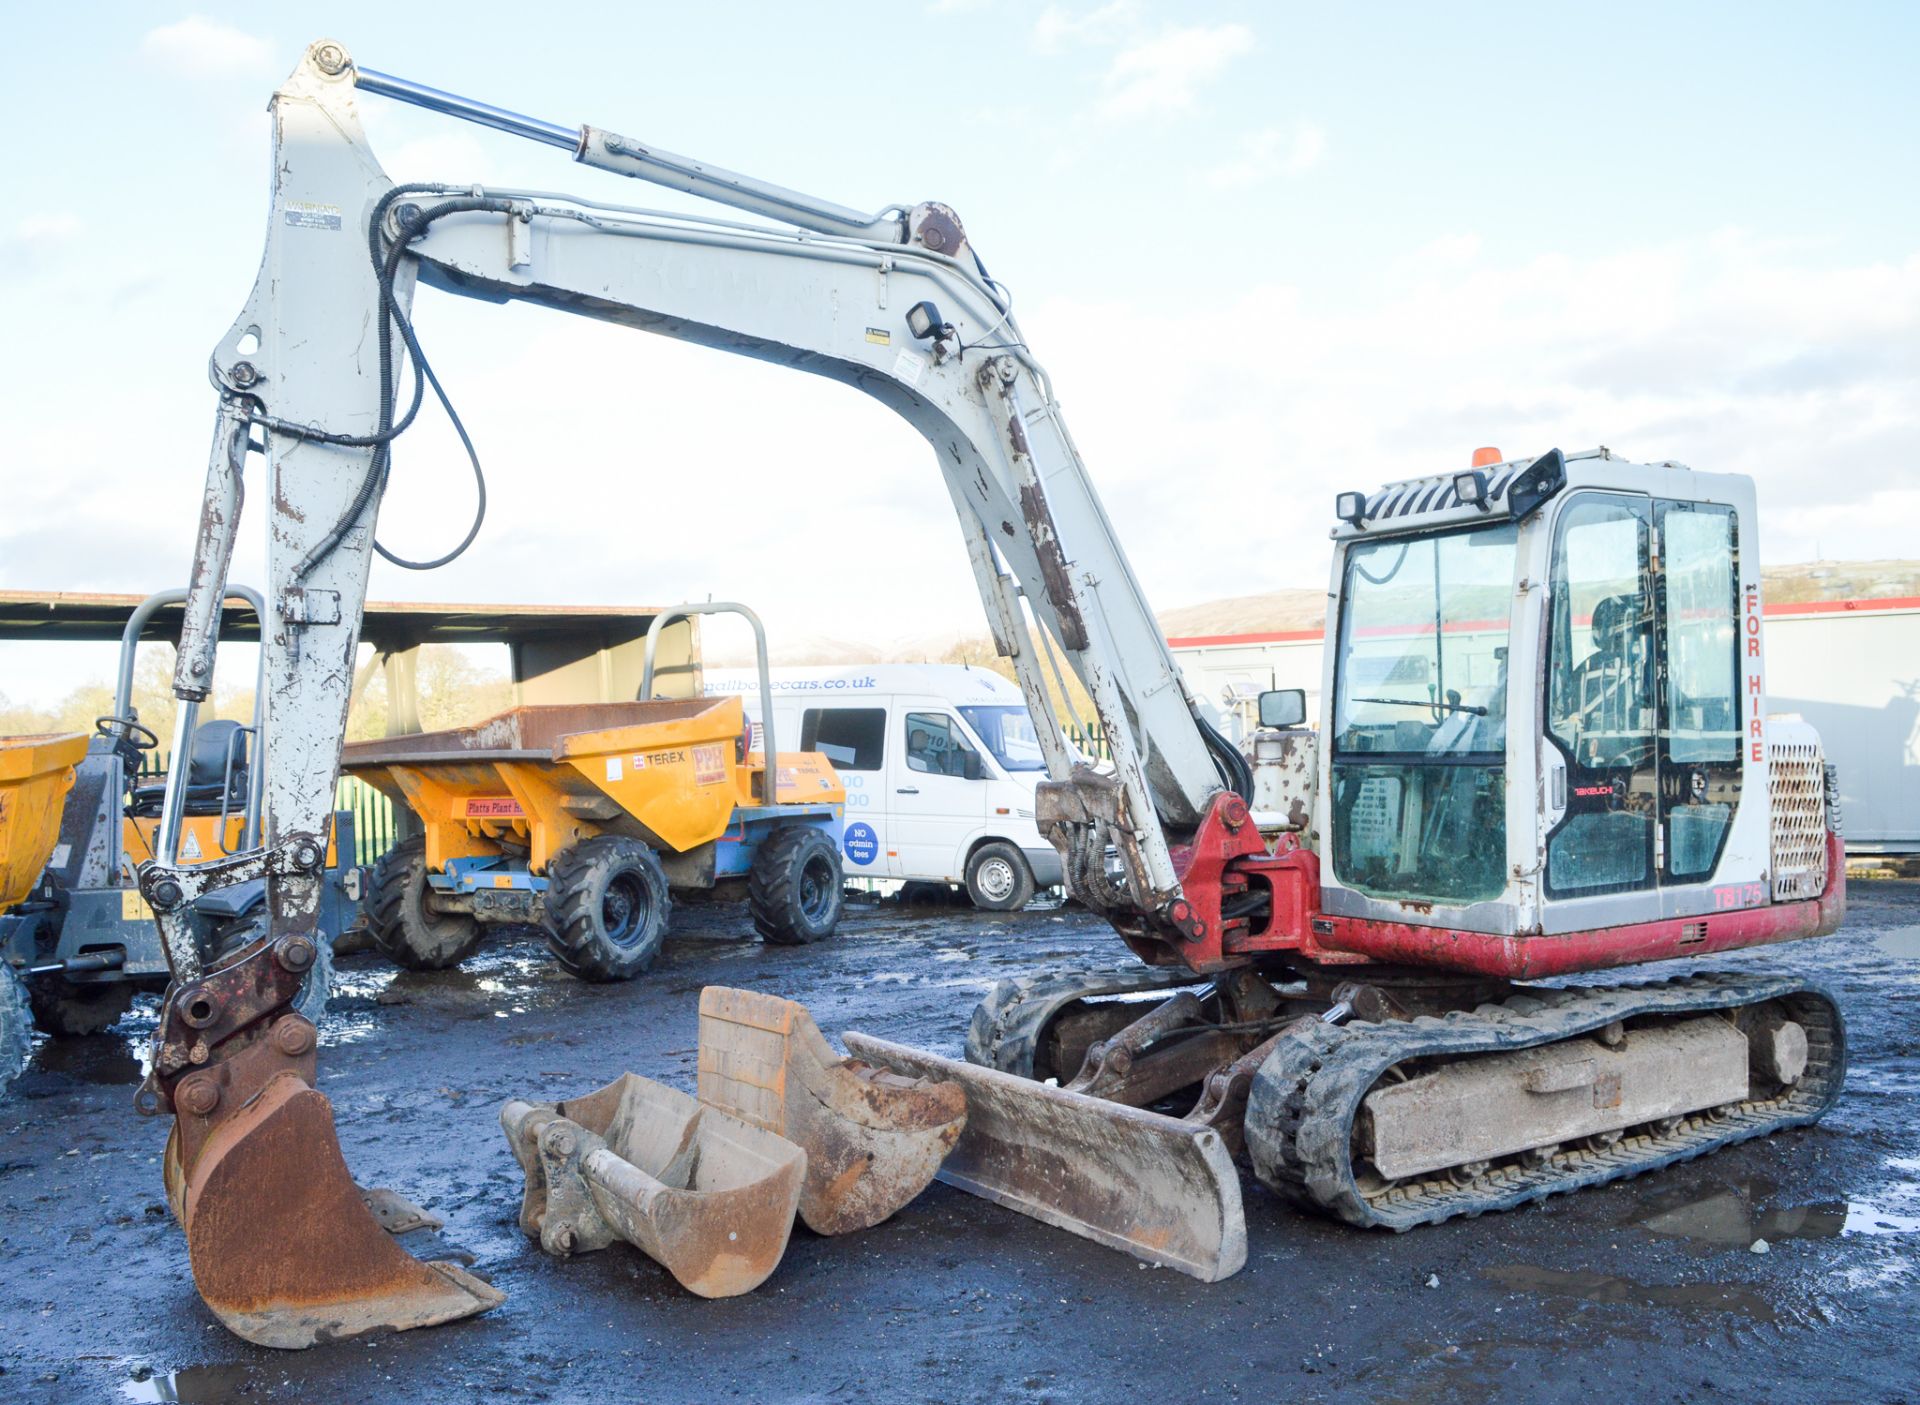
{"points": [[36, 772], [709, 1197]]}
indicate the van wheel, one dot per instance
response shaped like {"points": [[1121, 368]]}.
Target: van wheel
{"points": [[794, 888], [998, 879], [407, 931], [16, 1032], [608, 905]]}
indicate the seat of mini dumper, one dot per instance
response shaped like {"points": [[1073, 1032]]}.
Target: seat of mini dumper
{"points": [[208, 787]]}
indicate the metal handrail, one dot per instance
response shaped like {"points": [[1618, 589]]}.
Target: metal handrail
{"points": [[247, 841], [173, 805], [725, 607]]}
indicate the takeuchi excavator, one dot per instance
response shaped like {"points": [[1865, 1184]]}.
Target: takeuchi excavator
{"points": [[1544, 752]]}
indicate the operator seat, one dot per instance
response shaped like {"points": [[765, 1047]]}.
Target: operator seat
{"points": [[1613, 684], [206, 772]]}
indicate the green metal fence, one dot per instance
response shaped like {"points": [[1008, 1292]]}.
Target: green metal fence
{"points": [[373, 827], [1090, 739]]}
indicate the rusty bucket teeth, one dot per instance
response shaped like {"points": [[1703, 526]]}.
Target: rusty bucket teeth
{"points": [[873, 1138], [283, 1248], [1156, 1187], [706, 1195]]}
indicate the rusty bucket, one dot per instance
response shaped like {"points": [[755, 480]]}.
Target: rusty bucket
{"points": [[707, 1196], [873, 1138], [282, 1243]]}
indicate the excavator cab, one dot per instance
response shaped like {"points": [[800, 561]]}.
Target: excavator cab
{"points": [[1545, 710]]}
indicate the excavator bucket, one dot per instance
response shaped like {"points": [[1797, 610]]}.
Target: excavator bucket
{"points": [[284, 1248], [873, 1138], [1163, 1190], [707, 1196]]}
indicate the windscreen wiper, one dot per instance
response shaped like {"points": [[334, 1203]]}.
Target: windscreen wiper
{"points": [[1416, 702]]}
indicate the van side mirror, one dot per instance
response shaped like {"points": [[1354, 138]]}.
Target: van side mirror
{"points": [[972, 766], [1283, 707]]}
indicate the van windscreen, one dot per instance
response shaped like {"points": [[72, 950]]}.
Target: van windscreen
{"points": [[1007, 729]]}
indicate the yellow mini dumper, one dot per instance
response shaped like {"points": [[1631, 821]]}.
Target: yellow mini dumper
{"points": [[583, 818], [36, 772]]}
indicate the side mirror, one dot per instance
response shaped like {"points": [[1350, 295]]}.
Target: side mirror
{"points": [[1283, 707]]}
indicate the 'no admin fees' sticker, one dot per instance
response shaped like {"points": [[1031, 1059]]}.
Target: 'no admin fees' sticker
{"points": [[861, 844]]}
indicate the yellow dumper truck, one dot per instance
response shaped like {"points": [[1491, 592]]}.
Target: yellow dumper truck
{"points": [[582, 818]]}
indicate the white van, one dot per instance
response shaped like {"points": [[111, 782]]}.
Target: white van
{"points": [[939, 761]]}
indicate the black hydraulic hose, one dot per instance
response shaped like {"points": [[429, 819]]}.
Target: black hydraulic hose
{"points": [[1235, 772], [386, 263]]}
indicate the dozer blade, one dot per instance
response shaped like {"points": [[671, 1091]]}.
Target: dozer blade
{"points": [[283, 1248], [873, 1138], [707, 1196], [1160, 1189]]}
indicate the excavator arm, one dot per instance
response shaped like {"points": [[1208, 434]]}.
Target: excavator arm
{"points": [[322, 372], [895, 304]]}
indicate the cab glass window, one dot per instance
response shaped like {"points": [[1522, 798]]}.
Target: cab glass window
{"points": [[1600, 698], [1420, 716], [852, 738], [935, 747], [1701, 733]]}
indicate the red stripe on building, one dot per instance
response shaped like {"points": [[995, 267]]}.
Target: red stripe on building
{"points": [[1798, 607]]}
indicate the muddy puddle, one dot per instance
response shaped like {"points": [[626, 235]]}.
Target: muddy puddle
{"points": [[1741, 1298], [107, 1059], [1741, 1215], [191, 1385], [1902, 943]]}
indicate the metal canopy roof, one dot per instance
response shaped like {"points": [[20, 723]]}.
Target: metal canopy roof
{"points": [[83, 615]]}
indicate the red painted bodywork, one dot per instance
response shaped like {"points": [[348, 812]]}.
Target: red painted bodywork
{"points": [[1227, 858]]}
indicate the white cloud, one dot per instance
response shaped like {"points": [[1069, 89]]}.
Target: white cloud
{"points": [[1058, 29], [1728, 353], [456, 157], [42, 229], [1162, 74], [206, 48], [1287, 151], [1153, 71]]}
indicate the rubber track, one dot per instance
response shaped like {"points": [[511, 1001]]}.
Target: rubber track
{"points": [[1300, 1114], [1005, 1030]]}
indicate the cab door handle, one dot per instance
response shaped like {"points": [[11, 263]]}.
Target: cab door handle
{"points": [[906, 790]]}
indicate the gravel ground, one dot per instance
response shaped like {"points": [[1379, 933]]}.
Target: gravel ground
{"points": [[1650, 1290]]}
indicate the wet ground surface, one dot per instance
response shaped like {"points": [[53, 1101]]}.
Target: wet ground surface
{"points": [[1656, 1289]]}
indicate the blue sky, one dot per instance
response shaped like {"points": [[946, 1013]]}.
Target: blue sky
{"points": [[1266, 251]]}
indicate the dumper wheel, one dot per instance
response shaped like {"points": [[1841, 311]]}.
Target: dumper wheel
{"points": [[607, 908], [407, 931], [16, 1033], [794, 886], [69, 1009]]}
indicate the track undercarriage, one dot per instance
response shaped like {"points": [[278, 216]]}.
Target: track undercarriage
{"points": [[1410, 1097]]}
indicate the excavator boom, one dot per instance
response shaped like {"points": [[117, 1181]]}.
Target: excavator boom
{"points": [[323, 366]]}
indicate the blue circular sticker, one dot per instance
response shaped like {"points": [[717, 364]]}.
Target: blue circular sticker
{"points": [[861, 844]]}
